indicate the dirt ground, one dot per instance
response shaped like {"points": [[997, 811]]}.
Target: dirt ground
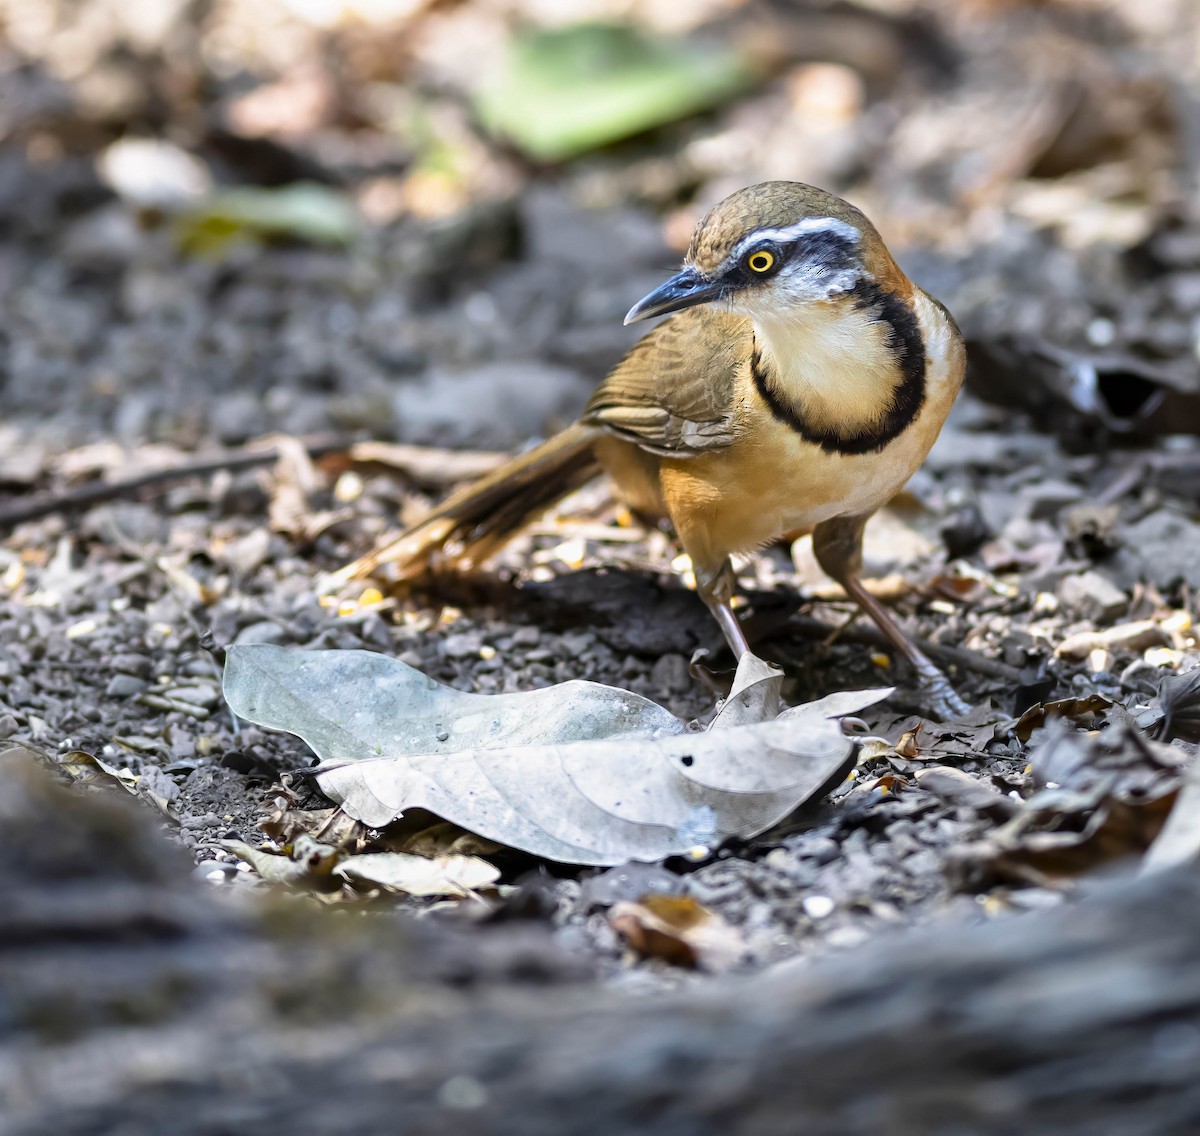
{"points": [[1032, 165]]}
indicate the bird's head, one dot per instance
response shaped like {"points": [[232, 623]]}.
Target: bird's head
{"points": [[772, 248]]}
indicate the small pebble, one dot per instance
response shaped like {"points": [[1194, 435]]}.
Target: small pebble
{"points": [[671, 673], [193, 823], [124, 686], [821, 848], [577, 642], [464, 645], [132, 664], [201, 694], [262, 632], [817, 906], [1093, 596]]}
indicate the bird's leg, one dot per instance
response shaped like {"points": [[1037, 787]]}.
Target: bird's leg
{"points": [[716, 589], [837, 544]]}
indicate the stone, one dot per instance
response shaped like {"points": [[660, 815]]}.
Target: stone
{"points": [[1045, 499], [1092, 595], [965, 531], [262, 632], [124, 686], [129, 663], [464, 645], [575, 643], [236, 417], [1160, 549], [670, 673], [198, 694]]}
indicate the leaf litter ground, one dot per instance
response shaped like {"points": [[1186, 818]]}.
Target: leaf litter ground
{"points": [[895, 845], [1068, 566]]}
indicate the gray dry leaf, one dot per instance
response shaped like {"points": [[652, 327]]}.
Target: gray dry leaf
{"points": [[1179, 700], [452, 875], [1178, 842], [86, 768], [308, 865], [1099, 798], [580, 773]]}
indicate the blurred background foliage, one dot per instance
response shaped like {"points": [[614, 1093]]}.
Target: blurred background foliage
{"points": [[1024, 156], [423, 106]]}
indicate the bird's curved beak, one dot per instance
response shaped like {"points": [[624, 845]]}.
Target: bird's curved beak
{"points": [[684, 290]]}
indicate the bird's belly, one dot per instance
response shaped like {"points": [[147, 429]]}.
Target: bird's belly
{"points": [[782, 485], [818, 485], [812, 492]]}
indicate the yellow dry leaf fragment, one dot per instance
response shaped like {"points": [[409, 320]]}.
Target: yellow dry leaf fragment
{"points": [[907, 745], [679, 931]]}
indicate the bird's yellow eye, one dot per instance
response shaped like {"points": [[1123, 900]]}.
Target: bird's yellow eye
{"points": [[761, 261]]}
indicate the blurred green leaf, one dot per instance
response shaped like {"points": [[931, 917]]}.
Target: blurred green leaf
{"points": [[304, 211], [569, 90]]}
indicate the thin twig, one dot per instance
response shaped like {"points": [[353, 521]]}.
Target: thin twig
{"points": [[1139, 465], [95, 493], [427, 466]]}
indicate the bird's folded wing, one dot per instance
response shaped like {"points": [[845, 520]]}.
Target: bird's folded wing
{"points": [[673, 394]]}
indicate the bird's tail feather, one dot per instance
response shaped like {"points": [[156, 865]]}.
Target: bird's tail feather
{"points": [[481, 517]]}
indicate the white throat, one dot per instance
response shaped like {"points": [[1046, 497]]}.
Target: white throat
{"points": [[833, 360]]}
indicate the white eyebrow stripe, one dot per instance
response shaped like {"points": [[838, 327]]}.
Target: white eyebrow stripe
{"points": [[808, 225]]}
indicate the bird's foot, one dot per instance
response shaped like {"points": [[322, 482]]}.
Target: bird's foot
{"points": [[942, 700]]}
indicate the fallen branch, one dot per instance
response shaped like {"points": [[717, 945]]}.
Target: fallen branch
{"points": [[96, 493], [427, 465]]}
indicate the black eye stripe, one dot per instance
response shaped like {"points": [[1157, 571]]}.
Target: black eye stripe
{"points": [[824, 251], [825, 248]]}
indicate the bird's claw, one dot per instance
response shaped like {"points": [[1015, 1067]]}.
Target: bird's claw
{"points": [[944, 702]]}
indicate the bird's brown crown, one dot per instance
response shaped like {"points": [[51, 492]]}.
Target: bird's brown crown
{"points": [[768, 205]]}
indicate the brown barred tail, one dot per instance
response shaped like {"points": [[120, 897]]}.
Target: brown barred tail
{"points": [[481, 517]]}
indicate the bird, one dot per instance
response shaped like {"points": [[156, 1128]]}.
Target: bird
{"points": [[799, 380]]}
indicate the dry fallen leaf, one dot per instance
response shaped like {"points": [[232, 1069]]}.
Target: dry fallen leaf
{"points": [[305, 864], [1103, 797], [907, 745], [440, 839], [152, 785], [427, 465], [284, 823], [581, 773], [1178, 842], [86, 768], [451, 875], [678, 930], [1179, 697], [1073, 708], [295, 479], [960, 790]]}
